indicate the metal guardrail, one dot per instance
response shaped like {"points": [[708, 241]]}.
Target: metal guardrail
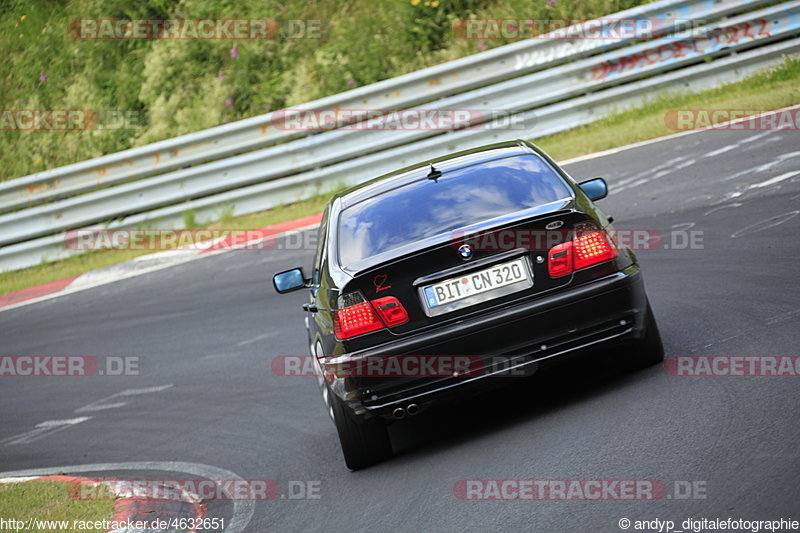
{"points": [[396, 93], [546, 102]]}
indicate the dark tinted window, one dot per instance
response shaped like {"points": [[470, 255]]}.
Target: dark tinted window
{"points": [[459, 198]]}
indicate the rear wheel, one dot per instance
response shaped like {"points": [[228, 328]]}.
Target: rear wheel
{"points": [[363, 444]]}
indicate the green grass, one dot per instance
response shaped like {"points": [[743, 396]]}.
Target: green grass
{"points": [[49, 500]]}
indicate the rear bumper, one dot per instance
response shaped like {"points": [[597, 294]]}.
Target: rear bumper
{"points": [[510, 342]]}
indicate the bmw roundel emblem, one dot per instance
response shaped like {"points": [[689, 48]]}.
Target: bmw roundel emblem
{"points": [[465, 251]]}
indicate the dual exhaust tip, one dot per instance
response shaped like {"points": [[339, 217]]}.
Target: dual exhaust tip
{"points": [[411, 409]]}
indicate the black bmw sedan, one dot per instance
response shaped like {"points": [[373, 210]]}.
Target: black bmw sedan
{"points": [[449, 276]]}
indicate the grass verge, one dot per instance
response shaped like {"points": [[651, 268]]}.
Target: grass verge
{"points": [[768, 90], [50, 501], [773, 89]]}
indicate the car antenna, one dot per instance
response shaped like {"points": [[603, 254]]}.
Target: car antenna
{"points": [[434, 174]]}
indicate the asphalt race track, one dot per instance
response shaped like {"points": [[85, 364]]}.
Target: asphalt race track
{"points": [[205, 333]]}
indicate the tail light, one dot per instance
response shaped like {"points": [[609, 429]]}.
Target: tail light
{"points": [[390, 310], [591, 249], [357, 316], [581, 252]]}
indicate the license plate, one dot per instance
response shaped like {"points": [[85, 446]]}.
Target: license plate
{"points": [[483, 281]]}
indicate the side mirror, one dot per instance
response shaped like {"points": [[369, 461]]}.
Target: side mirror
{"points": [[289, 280], [595, 189]]}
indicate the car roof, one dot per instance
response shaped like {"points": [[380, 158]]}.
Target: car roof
{"points": [[448, 163]]}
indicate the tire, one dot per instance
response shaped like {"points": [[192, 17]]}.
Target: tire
{"points": [[363, 444], [649, 350]]}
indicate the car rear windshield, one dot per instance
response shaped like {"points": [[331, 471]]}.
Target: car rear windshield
{"points": [[458, 199]]}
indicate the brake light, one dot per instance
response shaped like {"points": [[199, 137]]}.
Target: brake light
{"points": [[355, 320], [591, 249], [356, 316], [579, 253], [390, 310]]}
